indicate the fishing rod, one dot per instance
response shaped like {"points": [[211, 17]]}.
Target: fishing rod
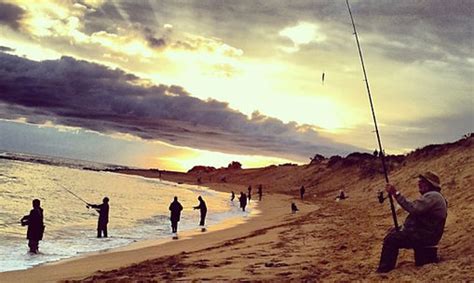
{"points": [[10, 223], [12, 233], [382, 154], [78, 197]]}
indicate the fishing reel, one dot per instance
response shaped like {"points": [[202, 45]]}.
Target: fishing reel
{"points": [[381, 197]]}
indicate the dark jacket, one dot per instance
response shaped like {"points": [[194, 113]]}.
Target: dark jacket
{"points": [[426, 218], [302, 191], [35, 224], [243, 200], [202, 206], [175, 208], [103, 210]]}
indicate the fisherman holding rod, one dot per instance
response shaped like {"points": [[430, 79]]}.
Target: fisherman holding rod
{"points": [[9, 223], [35, 224], [424, 225], [102, 209]]}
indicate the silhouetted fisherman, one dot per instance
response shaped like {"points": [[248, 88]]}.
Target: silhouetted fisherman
{"points": [[250, 192], [341, 196], [203, 209], [35, 224], [294, 209], [232, 196], [243, 201], [260, 192], [175, 208], [103, 210], [302, 191]]}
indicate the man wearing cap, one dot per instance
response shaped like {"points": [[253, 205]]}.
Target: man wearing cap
{"points": [[424, 224]]}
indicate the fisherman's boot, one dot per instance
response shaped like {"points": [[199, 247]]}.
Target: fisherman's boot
{"points": [[33, 245], [388, 259]]}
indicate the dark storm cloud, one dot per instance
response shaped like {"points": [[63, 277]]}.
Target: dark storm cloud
{"points": [[11, 15], [81, 94]]}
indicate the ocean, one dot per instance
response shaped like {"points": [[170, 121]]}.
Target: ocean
{"points": [[138, 210]]}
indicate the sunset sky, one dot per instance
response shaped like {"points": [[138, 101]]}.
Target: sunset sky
{"points": [[172, 84]]}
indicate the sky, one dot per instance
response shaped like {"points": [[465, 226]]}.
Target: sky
{"points": [[173, 84]]}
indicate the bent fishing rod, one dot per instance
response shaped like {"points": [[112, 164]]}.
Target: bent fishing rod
{"points": [[10, 223], [78, 197], [13, 233], [382, 154]]}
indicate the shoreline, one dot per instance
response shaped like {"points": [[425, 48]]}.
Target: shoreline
{"points": [[325, 241], [85, 265], [78, 244], [147, 243]]}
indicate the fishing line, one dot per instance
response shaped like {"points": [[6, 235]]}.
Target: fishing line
{"points": [[10, 223], [78, 197], [13, 233]]}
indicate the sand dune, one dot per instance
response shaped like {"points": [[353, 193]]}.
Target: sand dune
{"points": [[325, 240]]}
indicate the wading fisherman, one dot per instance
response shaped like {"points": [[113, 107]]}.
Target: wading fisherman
{"points": [[203, 209], [243, 201], [424, 225], [175, 208], [260, 192], [103, 210], [35, 224]]}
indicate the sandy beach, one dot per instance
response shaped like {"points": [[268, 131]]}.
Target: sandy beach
{"points": [[147, 103], [326, 240]]}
